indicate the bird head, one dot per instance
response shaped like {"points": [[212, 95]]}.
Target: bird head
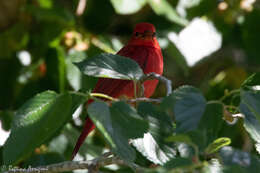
{"points": [[144, 34]]}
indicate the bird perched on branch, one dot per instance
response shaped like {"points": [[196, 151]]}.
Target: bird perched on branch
{"points": [[144, 48]]}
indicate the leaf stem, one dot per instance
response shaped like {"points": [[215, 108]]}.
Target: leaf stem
{"points": [[228, 94], [103, 96]]}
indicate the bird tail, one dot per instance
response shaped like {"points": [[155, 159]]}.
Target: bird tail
{"points": [[88, 127]]}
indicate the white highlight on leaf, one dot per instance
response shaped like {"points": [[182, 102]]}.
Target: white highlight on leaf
{"points": [[215, 166], [238, 115], [257, 147], [76, 114], [24, 57], [3, 135], [184, 150], [58, 144], [198, 40], [256, 87], [150, 149]]}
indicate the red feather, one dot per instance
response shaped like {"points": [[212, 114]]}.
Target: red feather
{"points": [[146, 52]]}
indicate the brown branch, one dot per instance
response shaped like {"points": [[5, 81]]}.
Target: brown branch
{"points": [[144, 99], [167, 82], [91, 165]]}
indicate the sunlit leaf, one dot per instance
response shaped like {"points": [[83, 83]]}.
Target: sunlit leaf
{"points": [[162, 7], [127, 6], [152, 145], [36, 121], [180, 138], [111, 66], [217, 144], [198, 40], [74, 76]]}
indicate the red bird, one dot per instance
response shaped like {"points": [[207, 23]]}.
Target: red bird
{"points": [[143, 47]]}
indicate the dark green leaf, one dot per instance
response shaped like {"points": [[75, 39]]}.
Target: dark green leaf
{"points": [[118, 124], [37, 120], [127, 120], [248, 106], [251, 99], [6, 119], [178, 162], [234, 169], [212, 119], [111, 66], [199, 138], [188, 108], [252, 80]]}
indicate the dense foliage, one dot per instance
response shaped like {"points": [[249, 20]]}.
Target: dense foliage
{"points": [[52, 53]]}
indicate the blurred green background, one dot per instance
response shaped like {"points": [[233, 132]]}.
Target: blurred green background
{"points": [[210, 44]]}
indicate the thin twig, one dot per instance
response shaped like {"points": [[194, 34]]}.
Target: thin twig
{"points": [[91, 165], [144, 99]]}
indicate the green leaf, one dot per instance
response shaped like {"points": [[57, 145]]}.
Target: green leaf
{"points": [[178, 162], [74, 76], [212, 119], [217, 144], [188, 108], [251, 99], [152, 145], [118, 124], [234, 169], [252, 80], [180, 138], [127, 6], [111, 66], [249, 107], [36, 121], [123, 115], [162, 7], [232, 157], [251, 124]]}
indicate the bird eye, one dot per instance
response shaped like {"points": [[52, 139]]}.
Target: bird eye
{"points": [[137, 33], [154, 34]]}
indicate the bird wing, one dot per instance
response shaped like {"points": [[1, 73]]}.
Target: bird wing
{"points": [[117, 87]]}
